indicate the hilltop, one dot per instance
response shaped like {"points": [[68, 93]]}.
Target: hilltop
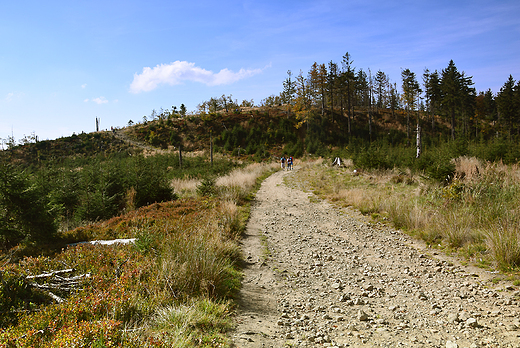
{"points": [[248, 131]]}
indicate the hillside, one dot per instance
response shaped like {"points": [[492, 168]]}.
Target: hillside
{"points": [[255, 130]]}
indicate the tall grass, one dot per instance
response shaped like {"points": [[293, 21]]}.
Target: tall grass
{"points": [[237, 185], [201, 322], [478, 210], [503, 240], [186, 187]]}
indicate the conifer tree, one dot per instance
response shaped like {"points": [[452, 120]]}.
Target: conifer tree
{"points": [[432, 90], [450, 92], [506, 105], [381, 82], [289, 89], [349, 78]]}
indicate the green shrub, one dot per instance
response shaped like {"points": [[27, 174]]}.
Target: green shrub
{"points": [[25, 211], [207, 188]]}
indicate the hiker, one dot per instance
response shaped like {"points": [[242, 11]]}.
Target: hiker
{"points": [[283, 162], [289, 163]]}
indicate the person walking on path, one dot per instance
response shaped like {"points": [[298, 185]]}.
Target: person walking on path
{"points": [[282, 160], [289, 163]]}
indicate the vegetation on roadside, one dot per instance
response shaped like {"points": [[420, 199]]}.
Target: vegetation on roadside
{"points": [[170, 288], [476, 213]]}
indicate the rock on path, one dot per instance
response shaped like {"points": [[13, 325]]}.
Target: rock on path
{"points": [[320, 276]]}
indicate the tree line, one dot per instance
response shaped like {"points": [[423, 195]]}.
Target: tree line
{"points": [[446, 97]]}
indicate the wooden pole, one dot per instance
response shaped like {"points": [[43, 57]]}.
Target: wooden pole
{"points": [[180, 156], [211, 147]]}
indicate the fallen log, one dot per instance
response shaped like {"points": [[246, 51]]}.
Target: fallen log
{"points": [[51, 274], [56, 282]]}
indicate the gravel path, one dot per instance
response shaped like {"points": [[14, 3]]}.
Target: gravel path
{"points": [[320, 276]]}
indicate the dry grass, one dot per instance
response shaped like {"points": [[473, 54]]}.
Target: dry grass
{"points": [[185, 187], [239, 183], [468, 168], [503, 241], [245, 178], [479, 210], [185, 322]]}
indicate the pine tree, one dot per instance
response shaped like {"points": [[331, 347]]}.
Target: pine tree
{"points": [[332, 82], [349, 78], [450, 93], [381, 83], [289, 89], [506, 105], [432, 90]]}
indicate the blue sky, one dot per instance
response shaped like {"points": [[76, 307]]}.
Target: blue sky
{"points": [[64, 63]]}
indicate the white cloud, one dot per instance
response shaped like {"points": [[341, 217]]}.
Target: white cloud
{"points": [[177, 72], [84, 85], [9, 97], [86, 100], [100, 100]]}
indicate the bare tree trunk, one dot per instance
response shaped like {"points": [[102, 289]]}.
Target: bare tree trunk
{"points": [[418, 143]]}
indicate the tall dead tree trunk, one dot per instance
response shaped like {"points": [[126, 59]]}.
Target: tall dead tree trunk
{"points": [[418, 142]]}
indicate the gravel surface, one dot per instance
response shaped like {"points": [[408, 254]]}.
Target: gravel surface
{"points": [[320, 276]]}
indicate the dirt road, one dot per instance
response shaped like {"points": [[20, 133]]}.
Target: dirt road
{"points": [[320, 276]]}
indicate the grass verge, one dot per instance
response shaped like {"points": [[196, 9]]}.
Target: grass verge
{"points": [[476, 213]]}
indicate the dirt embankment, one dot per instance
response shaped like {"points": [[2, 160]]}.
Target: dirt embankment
{"points": [[319, 276]]}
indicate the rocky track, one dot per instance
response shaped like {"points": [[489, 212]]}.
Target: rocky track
{"points": [[320, 276]]}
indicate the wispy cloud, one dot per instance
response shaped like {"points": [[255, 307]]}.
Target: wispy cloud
{"points": [[13, 97], [100, 100], [83, 86], [177, 72]]}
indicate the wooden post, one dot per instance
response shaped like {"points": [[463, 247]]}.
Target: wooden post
{"points": [[180, 156], [211, 147]]}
